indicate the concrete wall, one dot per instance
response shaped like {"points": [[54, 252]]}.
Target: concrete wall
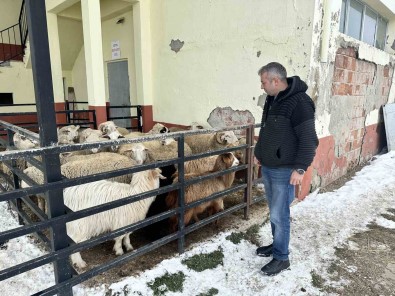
{"points": [[9, 13], [224, 44], [351, 82]]}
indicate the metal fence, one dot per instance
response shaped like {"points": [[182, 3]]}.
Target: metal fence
{"points": [[138, 118], [21, 202]]}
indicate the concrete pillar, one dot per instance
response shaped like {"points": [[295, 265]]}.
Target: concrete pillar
{"points": [[143, 60], [56, 65], [91, 22]]}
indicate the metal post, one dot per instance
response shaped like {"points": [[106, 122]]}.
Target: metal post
{"points": [[181, 195], [41, 65], [139, 119], [248, 178], [17, 203]]}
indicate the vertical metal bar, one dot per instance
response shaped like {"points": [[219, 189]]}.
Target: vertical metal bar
{"points": [[16, 50], [181, 195], [139, 119], [2, 43], [18, 202], [94, 119], [248, 178], [41, 66], [9, 44]]}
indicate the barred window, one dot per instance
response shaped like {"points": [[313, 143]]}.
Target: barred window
{"points": [[361, 22]]}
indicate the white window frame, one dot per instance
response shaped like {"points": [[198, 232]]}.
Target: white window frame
{"points": [[379, 16]]}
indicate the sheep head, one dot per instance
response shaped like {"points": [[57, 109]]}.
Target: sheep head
{"points": [[68, 134], [109, 129], [21, 142], [226, 138]]}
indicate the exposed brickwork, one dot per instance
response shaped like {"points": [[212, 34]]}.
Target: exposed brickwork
{"points": [[358, 87]]}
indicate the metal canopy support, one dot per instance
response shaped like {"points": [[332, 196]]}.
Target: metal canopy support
{"points": [[41, 65]]}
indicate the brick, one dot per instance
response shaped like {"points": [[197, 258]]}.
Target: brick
{"points": [[339, 75], [346, 62], [349, 89], [350, 77], [353, 65], [339, 61], [342, 51], [338, 89], [386, 71]]}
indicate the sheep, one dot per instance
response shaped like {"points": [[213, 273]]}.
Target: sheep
{"points": [[203, 189], [68, 134], [160, 229], [158, 128], [207, 142], [123, 131], [21, 142], [156, 150], [92, 194], [84, 165], [200, 165], [240, 155], [136, 151], [109, 129], [193, 126]]}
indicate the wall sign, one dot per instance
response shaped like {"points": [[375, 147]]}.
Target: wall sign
{"points": [[115, 50]]}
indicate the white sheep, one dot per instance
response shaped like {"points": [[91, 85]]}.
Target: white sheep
{"points": [[110, 130], [84, 165], [21, 142], [158, 128], [92, 194], [68, 134], [206, 142], [136, 151]]}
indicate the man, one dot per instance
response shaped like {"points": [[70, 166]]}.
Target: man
{"points": [[285, 148]]}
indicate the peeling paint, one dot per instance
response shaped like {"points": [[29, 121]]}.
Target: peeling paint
{"points": [[176, 45]]}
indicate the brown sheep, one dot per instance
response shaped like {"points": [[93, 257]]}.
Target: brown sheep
{"points": [[203, 189]]}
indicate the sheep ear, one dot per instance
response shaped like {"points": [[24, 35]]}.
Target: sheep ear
{"points": [[220, 137], [77, 127], [157, 173]]}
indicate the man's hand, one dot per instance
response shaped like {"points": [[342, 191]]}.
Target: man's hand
{"points": [[296, 178]]}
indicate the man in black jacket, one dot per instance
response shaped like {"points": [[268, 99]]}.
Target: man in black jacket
{"points": [[285, 148]]}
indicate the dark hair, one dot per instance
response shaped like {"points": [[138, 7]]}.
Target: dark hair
{"points": [[274, 69]]}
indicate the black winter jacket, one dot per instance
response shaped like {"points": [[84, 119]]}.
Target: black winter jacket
{"points": [[288, 137]]}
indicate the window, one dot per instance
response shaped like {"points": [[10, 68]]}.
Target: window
{"points": [[6, 99], [361, 22]]}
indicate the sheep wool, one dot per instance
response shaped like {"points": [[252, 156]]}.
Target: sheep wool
{"points": [[92, 194]]}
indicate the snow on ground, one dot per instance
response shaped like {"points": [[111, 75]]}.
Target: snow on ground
{"points": [[319, 223]]}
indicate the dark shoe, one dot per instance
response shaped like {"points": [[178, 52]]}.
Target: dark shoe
{"points": [[265, 251], [275, 266]]}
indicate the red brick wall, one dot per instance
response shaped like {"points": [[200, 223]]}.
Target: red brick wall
{"points": [[363, 86]]}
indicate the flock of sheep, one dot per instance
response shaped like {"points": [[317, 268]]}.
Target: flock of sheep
{"points": [[109, 158]]}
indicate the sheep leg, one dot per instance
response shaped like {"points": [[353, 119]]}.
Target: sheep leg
{"points": [[76, 260], [126, 242], [118, 245], [188, 216], [195, 217]]}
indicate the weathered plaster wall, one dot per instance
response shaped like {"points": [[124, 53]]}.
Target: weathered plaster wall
{"points": [[351, 84], [9, 13], [206, 54], [18, 80]]}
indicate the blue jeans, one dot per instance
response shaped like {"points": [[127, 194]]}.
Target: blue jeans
{"points": [[280, 194]]}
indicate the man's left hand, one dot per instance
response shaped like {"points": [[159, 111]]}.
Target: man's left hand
{"points": [[296, 178]]}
